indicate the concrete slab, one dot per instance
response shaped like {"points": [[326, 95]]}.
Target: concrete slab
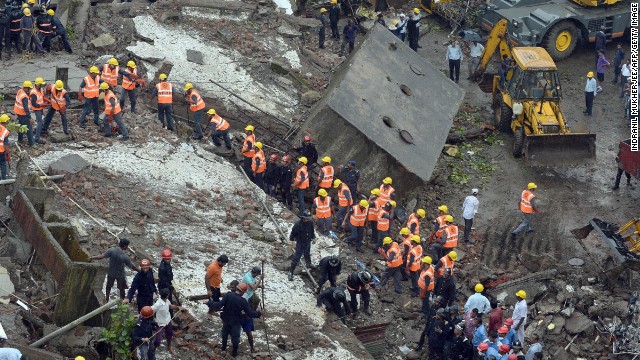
{"points": [[6, 286], [70, 164], [44, 67]]}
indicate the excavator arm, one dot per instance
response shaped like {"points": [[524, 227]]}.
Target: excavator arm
{"points": [[498, 41]]}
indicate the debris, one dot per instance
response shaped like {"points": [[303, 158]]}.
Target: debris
{"points": [[579, 323], [103, 40], [310, 97], [69, 164], [170, 16], [288, 31], [452, 151], [195, 56]]}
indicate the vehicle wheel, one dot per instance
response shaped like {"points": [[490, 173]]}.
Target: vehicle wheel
{"points": [[561, 40], [501, 114], [518, 142]]}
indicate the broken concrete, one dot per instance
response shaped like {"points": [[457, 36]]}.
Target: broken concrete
{"points": [[69, 164], [579, 323], [211, 4], [103, 41], [195, 56]]}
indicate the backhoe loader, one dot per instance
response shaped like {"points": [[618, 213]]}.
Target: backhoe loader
{"points": [[529, 103]]}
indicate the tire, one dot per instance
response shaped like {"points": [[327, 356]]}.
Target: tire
{"points": [[502, 114], [561, 40], [518, 142]]}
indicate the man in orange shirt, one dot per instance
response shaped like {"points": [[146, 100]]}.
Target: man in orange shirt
{"points": [[213, 278]]}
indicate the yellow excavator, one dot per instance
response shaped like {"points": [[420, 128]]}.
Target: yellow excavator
{"points": [[528, 103]]}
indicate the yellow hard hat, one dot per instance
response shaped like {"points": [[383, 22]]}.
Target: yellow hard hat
{"points": [[532, 186], [162, 76], [375, 191], [444, 209], [590, 74], [25, 5], [39, 81], [416, 11], [51, 12], [31, 1], [211, 112], [326, 159], [323, 10], [336, 183], [395, 22], [405, 231], [333, 2], [26, 12], [453, 255], [448, 218], [59, 85], [427, 259], [79, 358], [364, 203], [259, 145], [131, 64], [249, 128], [104, 86], [421, 213], [94, 70], [303, 160], [27, 84], [188, 86], [521, 294], [416, 238], [387, 181], [479, 288], [4, 118], [113, 61], [393, 203], [387, 241], [322, 192]]}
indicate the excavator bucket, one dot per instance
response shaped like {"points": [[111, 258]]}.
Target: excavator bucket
{"points": [[559, 148], [486, 81]]}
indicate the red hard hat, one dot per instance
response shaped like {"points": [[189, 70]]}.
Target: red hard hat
{"points": [[286, 159], [509, 322], [503, 330], [145, 263], [307, 138], [483, 346], [505, 348], [146, 312], [512, 357], [242, 287], [166, 254], [273, 157]]}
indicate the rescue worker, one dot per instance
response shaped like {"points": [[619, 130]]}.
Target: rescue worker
{"points": [[4, 146], [163, 310], [196, 106], [427, 283], [322, 206], [350, 32], [5, 32], [384, 220], [357, 221], [130, 80], [60, 100], [329, 269], [301, 182], [345, 201], [165, 272], [334, 299], [112, 112], [38, 102], [118, 259], [528, 206], [404, 239], [21, 108], [28, 36], [89, 92], [446, 287], [284, 181], [437, 335], [59, 30], [392, 254], [461, 347], [413, 263], [303, 234], [233, 306], [111, 72], [322, 28], [219, 128], [213, 277], [590, 90], [351, 176], [439, 222], [258, 166], [446, 262], [413, 223], [520, 314], [372, 216], [164, 91], [325, 179], [309, 151], [45, 30], [449, 239], [469, 211], [502, 336], [621, 170], [334, 17], [144, 284], [272, 175], [358, 283], [15, 30], [387, 192], [142, 334], [413, 29], [247, 149], [478, 301]]}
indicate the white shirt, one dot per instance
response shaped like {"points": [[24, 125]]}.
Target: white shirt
{"points": [[532, 350], [519, 312], [625, 71], [401, 25], [478, 301], [453, 53], [10, 354], [161, 308], [470, 207], [591, 85], [475, 50]]}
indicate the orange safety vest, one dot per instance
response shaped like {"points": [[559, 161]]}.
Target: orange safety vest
{"points": [[383, 223], [446, 263], [397, 260], [165, 92], [254, 163], [130, 84], [18, 107], [406, 243], [58, 98], [39, 100], [110, 76], [91, 87], [245, 147], [108, 108], [413, 219], [327, 177], [358, 216], [199, 105], [220, 123], [342, 199], [428, 272], [323, 210], [13, 29], [525, 202], [385, 195], [3, 135], [441, 225], [374, 209], [452, 237], [416, 251], [302, 184]]}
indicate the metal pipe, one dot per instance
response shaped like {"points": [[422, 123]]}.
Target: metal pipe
{"points": [[43, 177]]}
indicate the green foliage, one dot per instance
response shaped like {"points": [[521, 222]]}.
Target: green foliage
{"points": [[118, 334], [71, 33], [13, 127]]}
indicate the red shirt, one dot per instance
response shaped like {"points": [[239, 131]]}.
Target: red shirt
{"points": [[495, 319]]}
